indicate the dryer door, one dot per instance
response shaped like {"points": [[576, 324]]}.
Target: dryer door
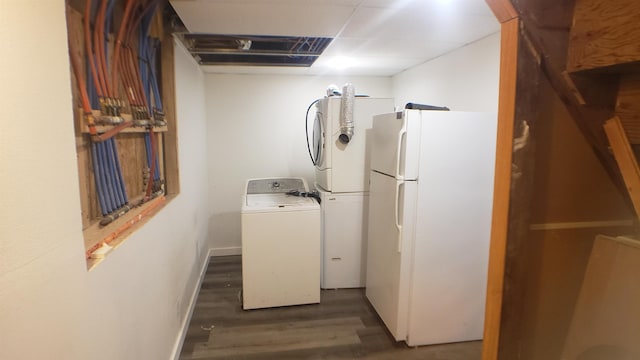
{"points": [[318, 139]]}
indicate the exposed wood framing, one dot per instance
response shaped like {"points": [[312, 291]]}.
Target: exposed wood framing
{"points": [[130, 143], [534, 47], [502, 9], [626, 160], [628, 106], [605, 33], [521, 190], [502, 184], [172, 174], [550, 39]]}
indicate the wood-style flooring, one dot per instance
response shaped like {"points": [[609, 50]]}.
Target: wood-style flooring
{"points": [[342, 326]]}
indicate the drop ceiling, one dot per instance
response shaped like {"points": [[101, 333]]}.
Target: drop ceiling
{"points": [[380, 37]]}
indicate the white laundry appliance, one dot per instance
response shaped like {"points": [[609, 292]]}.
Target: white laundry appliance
{"points": [[344, 234], [430, 205], [342, 178], [339, 166], [280, 244]]}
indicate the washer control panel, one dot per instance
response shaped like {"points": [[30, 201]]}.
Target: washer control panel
{"points": [[275, 185]]}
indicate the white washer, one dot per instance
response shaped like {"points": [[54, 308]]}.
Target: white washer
{"points": [[280, 244]]}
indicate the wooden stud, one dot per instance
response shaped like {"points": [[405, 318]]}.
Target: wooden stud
{"points": [[573, 88], [628, 106], [502, 185], [502, 9], [625, 158], [172, 175]]}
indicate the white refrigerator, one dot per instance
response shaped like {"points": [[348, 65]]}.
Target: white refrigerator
{"points": [[430, 202]]}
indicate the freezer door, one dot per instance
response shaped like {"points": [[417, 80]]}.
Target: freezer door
{"points": [[390, 237], [395, 144]]}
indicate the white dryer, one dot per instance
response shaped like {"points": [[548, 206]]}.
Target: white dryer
{"points": [[280, 244], [344, 167]]}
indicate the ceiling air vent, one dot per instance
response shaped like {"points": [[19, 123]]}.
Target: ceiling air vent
{"points": [[255, 50]]}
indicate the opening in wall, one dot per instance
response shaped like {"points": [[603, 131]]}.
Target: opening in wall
{"points": [[125, 126]]}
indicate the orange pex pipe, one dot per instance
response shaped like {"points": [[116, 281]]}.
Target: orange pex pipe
{"points": [[127, 225], [126, 79], [114, 131], [118, 45], [135, 68], [98, 44], [126, 64], [89, 50], [77, 70]]}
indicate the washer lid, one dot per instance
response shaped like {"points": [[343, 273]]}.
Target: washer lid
{"points": [[275, 185], [281, 202]]}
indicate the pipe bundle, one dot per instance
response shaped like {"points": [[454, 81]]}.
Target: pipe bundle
{"points": [[129, 68]]}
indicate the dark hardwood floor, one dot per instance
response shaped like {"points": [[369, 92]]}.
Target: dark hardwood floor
{"points": [[342, 326]]}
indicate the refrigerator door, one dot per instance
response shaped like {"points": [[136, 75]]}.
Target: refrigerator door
{"points": [[391, 224], [395, 144], [451, 250]]}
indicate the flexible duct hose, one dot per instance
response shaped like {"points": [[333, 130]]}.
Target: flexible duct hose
{"points": [[346, 113]]}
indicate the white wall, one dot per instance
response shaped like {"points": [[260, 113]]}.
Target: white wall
{"points": [[465, 79], [256, 128], [132, 305]]}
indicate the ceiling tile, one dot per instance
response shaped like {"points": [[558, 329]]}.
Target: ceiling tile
{"points": [[369, 22], [469, 7], [263, 18], [402, 47]]}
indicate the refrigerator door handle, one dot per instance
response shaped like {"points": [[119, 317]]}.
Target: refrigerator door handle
{"points": [[399, 183], [402, 136]]}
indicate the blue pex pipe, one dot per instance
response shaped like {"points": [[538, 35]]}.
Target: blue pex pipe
{"points": [[154, 78], [107, 29], [115, 181], [119, 168], [147, 147], [103, 178], [143, 62], [91, 88], [156, 171], [157, 168], [97, 176], [107, 178], [109, 188]]}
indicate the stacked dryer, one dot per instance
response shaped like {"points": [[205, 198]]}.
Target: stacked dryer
{"points": [[342, 178]]}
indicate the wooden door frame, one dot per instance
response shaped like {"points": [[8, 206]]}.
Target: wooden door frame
{"points": [[510, 24]]}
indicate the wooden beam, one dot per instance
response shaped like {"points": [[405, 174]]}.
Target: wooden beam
{"points": [[172, 174], [628, 106], [502, 185], [502, 9], [625, 158], [604, 33]]}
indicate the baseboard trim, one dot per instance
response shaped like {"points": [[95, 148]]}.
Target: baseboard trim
{"points": [[227, 251], [192, 303]]}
